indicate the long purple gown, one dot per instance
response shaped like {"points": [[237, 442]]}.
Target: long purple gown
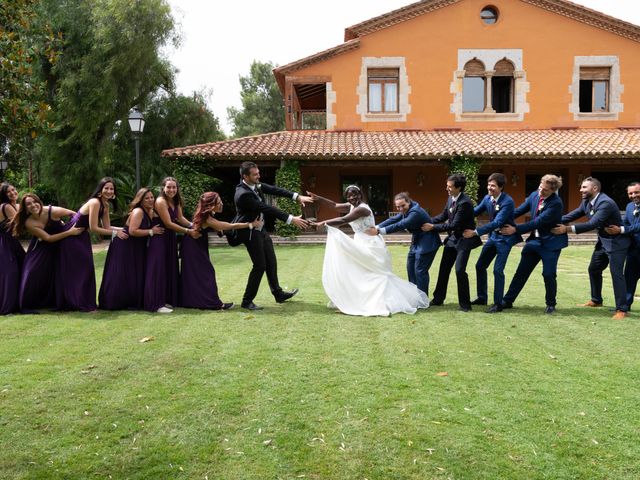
{"points": [[37, 283], [75, 276], [198, 287], [11, 257], [122, 284], [161, 276]]}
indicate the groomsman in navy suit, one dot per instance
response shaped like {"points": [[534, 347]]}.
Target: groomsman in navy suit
{"points": [[424, 245], [601, 211], [631, 228], [500, 208], [545, 208], [456, 217]]}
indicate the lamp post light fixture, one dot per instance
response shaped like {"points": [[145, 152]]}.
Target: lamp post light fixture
{"points": [[3, 166], [136, 123]]}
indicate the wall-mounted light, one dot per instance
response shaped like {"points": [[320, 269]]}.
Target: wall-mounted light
{"points": [[580, 178], [420, 179], [514, 179], [311, 181]]}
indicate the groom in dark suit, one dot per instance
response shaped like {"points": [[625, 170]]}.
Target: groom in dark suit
{"points": [[250, 205], [456, 217], [601, 212], [424, 245]]}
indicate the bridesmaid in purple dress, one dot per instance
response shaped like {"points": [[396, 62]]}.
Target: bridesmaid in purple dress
{"points": [[122, 284], [161, 278], [76, 288], [198, 287], [37, 282], [11, 252]]}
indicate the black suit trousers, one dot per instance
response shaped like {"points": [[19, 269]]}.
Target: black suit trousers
{"points": [[263, 257], [452, 256]]}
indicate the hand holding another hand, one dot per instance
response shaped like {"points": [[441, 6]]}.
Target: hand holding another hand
{"points": [[468, 233], [613, 230], [427, 227], [508, 230], [559, 229], [300, 222]]}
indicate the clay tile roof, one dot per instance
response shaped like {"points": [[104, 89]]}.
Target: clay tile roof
{"points": [[435, 144]]}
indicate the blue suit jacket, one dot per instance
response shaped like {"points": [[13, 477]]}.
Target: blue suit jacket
{"points": [[500, 215], [604, 212], [421, 242], [632, 226], [547, 217]]}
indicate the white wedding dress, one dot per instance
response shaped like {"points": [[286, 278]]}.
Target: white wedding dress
{"points": [[357, 274]]}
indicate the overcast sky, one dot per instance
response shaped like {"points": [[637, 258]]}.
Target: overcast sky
{"points": [[220, 39]]}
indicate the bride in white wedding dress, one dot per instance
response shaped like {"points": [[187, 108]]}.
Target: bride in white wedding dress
{"points": [[357, 275]]}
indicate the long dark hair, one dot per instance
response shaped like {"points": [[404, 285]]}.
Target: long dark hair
{"points": [[4, 192], [97, 193], [17, 225], [177, 200], [208, 200], [138, 199]]}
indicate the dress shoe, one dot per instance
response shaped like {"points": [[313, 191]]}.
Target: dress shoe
{"points": [[283, 296], [465, 309], [549, 310], [227, 306], [590, 303], [507, 305], [619, 315], [435, 303], [251, 306], [479, 301], [494, 308], [164, 310]]}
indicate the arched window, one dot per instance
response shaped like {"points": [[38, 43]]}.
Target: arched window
{"points": [[473, 87], [502, 87]]}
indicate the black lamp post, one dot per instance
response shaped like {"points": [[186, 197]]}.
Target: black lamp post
{"points": [[136, 123]]}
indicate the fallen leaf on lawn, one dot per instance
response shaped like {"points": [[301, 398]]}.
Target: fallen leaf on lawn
{"points": [[267, 442], [442, 374], [146, 339], [594, 441], [552, 357], [248, 317]]}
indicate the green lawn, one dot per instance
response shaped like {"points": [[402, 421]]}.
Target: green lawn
{"points": [[299, 391]]}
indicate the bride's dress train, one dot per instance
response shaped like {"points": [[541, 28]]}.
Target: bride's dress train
{"points": [[358, 278]]}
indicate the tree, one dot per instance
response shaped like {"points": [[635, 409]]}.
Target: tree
{"points": [[110, 62], [262, 106], [24, 41], [170, 121]]}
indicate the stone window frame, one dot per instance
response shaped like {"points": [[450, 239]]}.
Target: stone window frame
{"points": [[616, 89], [489, 57], [404, 90]]}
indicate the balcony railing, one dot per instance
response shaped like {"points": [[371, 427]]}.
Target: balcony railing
{"points": [[310, 120]]}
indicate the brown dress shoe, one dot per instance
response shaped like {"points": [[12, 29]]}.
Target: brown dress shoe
{"points": [[590, 303], [619, 315]]}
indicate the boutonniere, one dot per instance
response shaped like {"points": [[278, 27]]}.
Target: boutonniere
{"points": [[591, 212], [636, 211], [450, 209], [497, 207]]}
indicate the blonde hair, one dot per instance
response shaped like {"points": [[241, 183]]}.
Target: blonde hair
{"points": [[553, 181]]}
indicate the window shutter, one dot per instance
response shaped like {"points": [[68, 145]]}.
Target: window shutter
{"points": [[474, 68], [504, 68], [383, 73], [595, 73]]}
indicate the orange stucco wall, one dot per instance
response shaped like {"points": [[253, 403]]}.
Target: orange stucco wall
{"points": [[430, 43]]}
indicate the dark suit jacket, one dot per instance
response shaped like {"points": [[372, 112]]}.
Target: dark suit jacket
{"points": [[632, 226], [499, 216], [604, 212], [250, 204], [546, 218], [461, 219], [421, 242]]}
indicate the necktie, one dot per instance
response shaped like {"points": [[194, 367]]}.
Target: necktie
{"points": [[493, 208], [538, 207]]}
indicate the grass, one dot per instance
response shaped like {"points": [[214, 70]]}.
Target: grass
{"points": [[298, 391]]}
